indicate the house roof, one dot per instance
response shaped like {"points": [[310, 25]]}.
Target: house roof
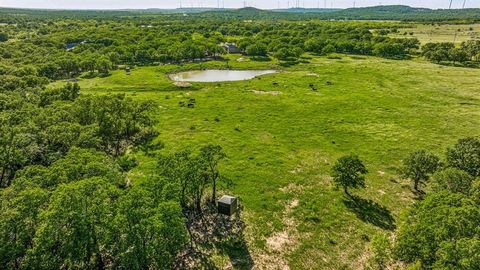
{"points": [[230, 45]]}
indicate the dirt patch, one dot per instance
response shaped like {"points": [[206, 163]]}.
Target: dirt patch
{"points": [[281, 243], [282, 239], [274, 93], [182, 84], [277, 241], [291, 188]]}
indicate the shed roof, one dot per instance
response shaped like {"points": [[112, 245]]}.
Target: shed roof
{"points": [[227, 199]]}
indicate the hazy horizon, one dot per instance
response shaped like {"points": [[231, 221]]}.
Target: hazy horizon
{"points": [[266, 4]]}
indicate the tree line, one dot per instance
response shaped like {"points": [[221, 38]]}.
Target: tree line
{"points": [[59, 48], [468, 52], [65, 198]]}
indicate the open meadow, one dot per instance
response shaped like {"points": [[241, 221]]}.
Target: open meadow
{"points": [[427, 33], [282, 138], [224, 138]]}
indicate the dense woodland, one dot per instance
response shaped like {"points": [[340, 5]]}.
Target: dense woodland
{"points": [[66, 202]]}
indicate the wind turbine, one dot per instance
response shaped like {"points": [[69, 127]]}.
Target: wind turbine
{"points": [[464, 2], [450, 6]]}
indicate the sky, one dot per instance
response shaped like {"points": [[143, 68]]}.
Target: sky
{"points": [[264, 4]]}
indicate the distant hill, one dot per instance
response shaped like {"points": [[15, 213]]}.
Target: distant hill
{"points": [[404, 13], [307, 10], [396, 12]]}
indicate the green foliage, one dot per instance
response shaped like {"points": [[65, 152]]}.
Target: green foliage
{"points": [[212, 155], [419, 165], [453, 180], [256, 49], [121, 121], [441, 232], [75, 228], [328, 49], [74, 213], [475, 191], [127, 163], [348, 172], [447, 52], [389, 50], [381, 249], [193, 173], [150, 233], [472, 49], [465, 155], [69, 92], [19, 218], [71, 194], [315, 45]]}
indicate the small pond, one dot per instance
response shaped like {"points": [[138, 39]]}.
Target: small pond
{"points": [[214, 75]]}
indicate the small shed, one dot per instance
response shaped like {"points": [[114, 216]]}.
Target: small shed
{"points": [[231, 48], [227, 205]]}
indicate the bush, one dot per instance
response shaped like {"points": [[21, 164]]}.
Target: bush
{"points": [[465, 155], [453, 180]]}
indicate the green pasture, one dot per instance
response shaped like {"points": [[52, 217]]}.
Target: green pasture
{"points": [[428, 33], [281, 138]]}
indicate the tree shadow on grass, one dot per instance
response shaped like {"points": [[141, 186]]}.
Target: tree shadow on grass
{"points": [[192, 258], [212, 232], [371, 212], [236, 249]]}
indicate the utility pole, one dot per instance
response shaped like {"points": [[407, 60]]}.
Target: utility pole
{"points": [[464, 2], [450, 6]]}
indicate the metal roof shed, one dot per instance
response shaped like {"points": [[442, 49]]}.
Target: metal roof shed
{"points": [[227, 205]]}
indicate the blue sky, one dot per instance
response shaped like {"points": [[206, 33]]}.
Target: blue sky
{"points": [[134, 4]]}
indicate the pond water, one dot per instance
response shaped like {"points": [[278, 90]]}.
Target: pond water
{"points": [[214, 75]]}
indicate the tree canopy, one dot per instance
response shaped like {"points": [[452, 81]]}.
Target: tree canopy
{"points": [[348, 172]]}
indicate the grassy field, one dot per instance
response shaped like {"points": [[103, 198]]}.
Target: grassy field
{"points": [[282, 138], [457, 33]]}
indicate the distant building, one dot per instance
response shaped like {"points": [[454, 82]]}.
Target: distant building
{"points": [[70, 46], [231, 48]]}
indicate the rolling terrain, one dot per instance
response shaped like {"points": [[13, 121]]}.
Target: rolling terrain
{"points": [[281, 139]]}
